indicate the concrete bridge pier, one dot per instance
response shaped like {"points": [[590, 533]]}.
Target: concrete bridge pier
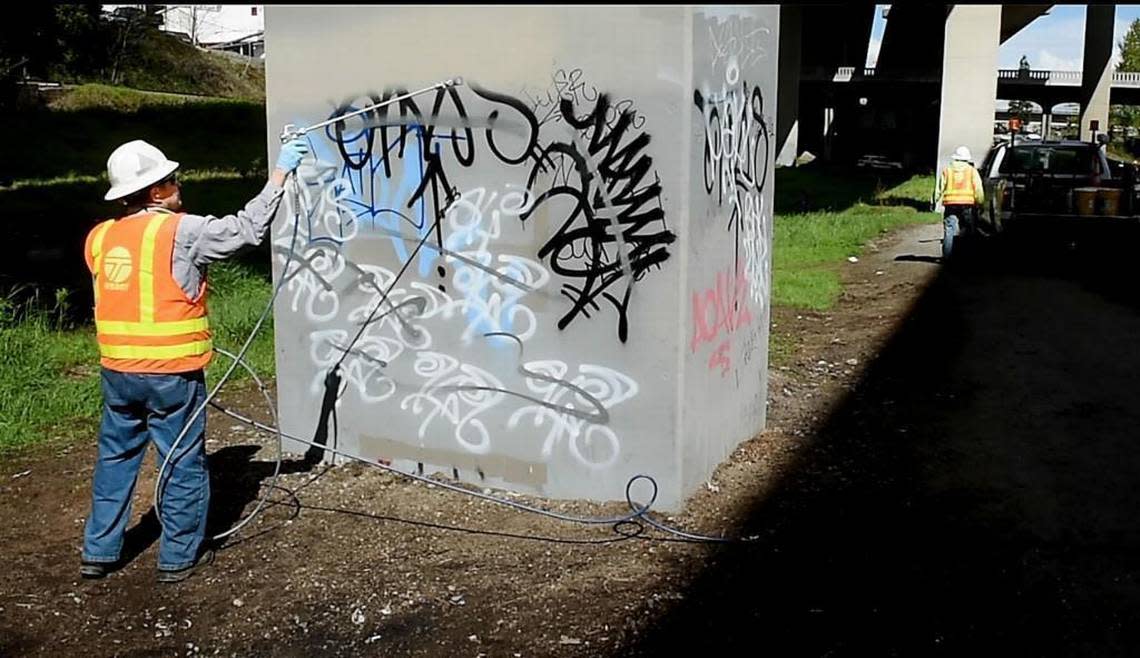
{"points": [[969, 80], [1096, 78], [788, 89]]}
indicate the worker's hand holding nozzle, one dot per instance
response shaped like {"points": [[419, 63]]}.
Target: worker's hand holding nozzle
{"points": [[292, 152]]}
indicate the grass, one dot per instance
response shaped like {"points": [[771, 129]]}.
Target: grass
{"points": [[781, 349], [163, 62], [51, 364], [48, 372], [822, 218], [167, 63], [808, 244], [53, 194], [96, 96], [71, 139], [238, 294]]}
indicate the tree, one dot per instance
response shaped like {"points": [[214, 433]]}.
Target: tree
{"points": [[28, 41], [1130, 48], [82, 41], [192, 18], [1021, 109], [27, 48], [126, 30], [1128, 115]]}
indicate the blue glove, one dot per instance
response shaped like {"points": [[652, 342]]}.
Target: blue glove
{"points": [[291, 154]]}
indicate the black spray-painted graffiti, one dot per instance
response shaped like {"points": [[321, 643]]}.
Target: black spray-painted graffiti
{"points": [[616, 216], [586, 211], [735, 162], [603, 186], [571, 86]]}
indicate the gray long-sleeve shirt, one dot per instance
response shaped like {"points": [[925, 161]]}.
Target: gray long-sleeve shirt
{"points": [[201, 240]]}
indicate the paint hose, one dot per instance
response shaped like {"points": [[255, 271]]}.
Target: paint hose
{"points": [[637, 516], [236, 360], [289, 133]]}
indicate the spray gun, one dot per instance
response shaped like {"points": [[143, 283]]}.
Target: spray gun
{"points": [[292, 132]]}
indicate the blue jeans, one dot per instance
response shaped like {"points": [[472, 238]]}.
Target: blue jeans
{"points": [[950, 218], [138, 407]]}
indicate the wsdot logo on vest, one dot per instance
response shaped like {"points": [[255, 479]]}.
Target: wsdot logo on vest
{"points": [[117, 267]]}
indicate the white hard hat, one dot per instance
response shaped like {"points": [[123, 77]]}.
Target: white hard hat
{"points": [[962, 153], [135, 166]]}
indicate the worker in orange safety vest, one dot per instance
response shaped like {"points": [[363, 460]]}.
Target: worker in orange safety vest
{"points": [[959, 191], [148, 267]]}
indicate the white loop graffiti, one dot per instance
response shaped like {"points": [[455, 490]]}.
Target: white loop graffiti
{"points": [[339, 221], [318, 192], [401, 309], [457, 392], [362, 369], [609, 387], [399, 176], [735, 168], [754, 228], [311, 280], [491, 302], [737, 38]]}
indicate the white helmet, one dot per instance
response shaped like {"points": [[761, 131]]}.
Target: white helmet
{"points": [[962, 153], [135, 166]]}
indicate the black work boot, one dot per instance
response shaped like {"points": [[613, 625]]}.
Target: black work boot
{"points": [[179, 575], [95, 570]]}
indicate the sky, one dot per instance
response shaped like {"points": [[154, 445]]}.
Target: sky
{"points": [[1054, 41]]}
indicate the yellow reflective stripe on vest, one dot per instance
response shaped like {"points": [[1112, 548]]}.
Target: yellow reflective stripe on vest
{"points": [[146, 269], [97, 251], [156, 351], [174, 328], [958, 186]]}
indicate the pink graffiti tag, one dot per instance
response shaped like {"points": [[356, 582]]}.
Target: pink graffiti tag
{"points": [[722, 308], [721, 358]]}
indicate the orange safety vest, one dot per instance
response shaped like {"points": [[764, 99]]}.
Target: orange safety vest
{"points": [[144, 321], [958, 185]]}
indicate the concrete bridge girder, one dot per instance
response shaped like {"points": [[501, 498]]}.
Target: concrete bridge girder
{"points": [[955, 46], [1015, 17]]}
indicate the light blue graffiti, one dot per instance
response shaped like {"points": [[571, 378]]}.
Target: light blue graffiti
{"points": [[374, 200], [491, 303]]}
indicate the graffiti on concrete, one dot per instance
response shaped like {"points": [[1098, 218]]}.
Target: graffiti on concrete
{"points": [[737, 42], [735, 162], [615, 232], [718, 312], [397, 267]]}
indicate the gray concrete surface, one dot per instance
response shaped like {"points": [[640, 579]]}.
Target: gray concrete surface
{"points": [[597, 196]]}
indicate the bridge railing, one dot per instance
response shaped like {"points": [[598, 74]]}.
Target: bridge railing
{"points": [[1031, 76], [1126, 79]]}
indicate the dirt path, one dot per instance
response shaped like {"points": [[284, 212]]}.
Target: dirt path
{"points": [[947, 470]]}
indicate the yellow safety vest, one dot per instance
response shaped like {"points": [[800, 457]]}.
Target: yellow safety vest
{"points": [[958, 186]]}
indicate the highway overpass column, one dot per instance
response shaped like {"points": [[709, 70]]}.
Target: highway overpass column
{"points": [[788, 89], [969, 80], [1096, 78]]}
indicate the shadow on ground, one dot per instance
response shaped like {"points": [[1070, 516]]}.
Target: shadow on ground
{"points": [[236, 480], [975, 495], [821, 187]]}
